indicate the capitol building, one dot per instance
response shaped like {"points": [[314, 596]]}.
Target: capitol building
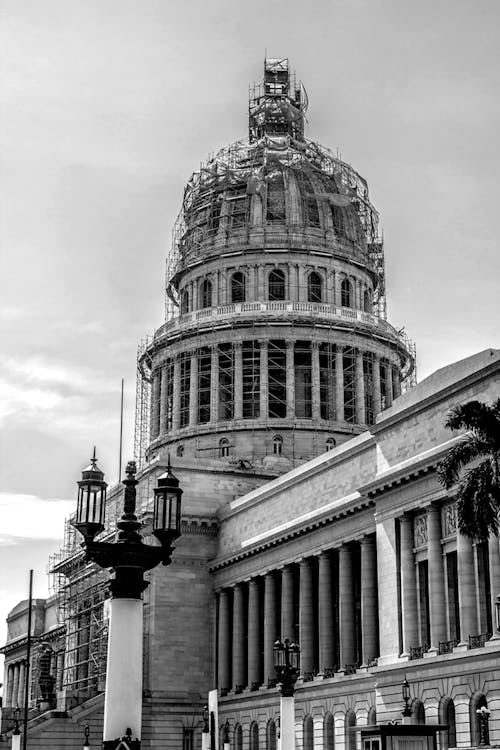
{"points": [[289, 407]]}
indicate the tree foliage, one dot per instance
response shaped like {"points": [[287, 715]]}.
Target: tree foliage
{"points": [[473, 464]]}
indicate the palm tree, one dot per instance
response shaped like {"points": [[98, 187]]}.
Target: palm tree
{"points": [[478, 493]]}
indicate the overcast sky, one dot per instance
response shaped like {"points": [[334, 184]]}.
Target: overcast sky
{"points": [[107, 106]]}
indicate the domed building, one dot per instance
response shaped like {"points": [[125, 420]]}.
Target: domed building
{"points": [[276, 347], [310, 506]]}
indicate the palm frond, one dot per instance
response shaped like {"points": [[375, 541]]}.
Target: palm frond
{"points": [[483, 419], [478, 502], [467, 450]]}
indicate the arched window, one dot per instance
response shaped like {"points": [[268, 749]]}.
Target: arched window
{"points": [[206, 293], [277, 445], [479, 713], [418, 712], [329, 733], [372, 717], [238, 737], [447, 716], [346, 293], [330, 443], [254, 736], [314, 287], [271, 735], [308, 739], [350, 736], [180, 451], [276, 285], [184, 302], [238, 287], [367, 303], [224, 448]]}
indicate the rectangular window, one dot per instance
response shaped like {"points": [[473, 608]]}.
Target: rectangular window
{"points": [[348, 362], [383, 385], [277, 379], [275, 197], [368, 382], [452, 584], [226, 381], [327, 381], [423, 600], [251, 379], [187, 738], [185, 389], [303, 380], [238, 204], [204, 375]]}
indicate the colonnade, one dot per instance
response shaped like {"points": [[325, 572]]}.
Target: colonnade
{"points": [[462, 580], [16, 673], [327, 602], [340, 383]]}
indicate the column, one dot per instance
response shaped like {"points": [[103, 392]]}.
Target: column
{"points": [[339, 384], [261, 283], [377, 397], [388, 384], [176, 395], [338, 290], [315, 377], [388, 604], [193, 390], [306, 617], [238, 380], [325, 613], [15, 684], [20, 689], [408, 585], [437, 614], [287, 604], [10, 685], [369, 624], [214, 384], [290, 380], [270, 633], [360, 389], [215, 293], [253, 634], [346, 606], [264, 380], [223, 643], [238, 639], [466, 588], [494, 565], [60, 670]]}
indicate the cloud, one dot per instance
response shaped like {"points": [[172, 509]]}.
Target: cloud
{"points": [[32, 517]]}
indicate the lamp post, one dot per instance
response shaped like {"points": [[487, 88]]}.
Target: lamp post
{"points": [[86, 741], [286, 666], [129, 559], [16, 734], [405, 689]]}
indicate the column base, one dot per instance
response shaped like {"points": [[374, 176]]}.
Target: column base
{"points": [[404, 656], [432, 651], [461, 648], [124, 744]]}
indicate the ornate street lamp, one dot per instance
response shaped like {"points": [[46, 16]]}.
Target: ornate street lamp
{"points": [[129, 558], [286, 666], [16, 734], [405, 689], [86, 741]]}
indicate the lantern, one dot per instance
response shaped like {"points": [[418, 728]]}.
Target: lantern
{"points": [[91, 504], [167, 508]]}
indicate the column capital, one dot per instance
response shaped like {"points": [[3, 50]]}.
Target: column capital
{"points": [[263, 343], [238, 344], [289, 343]]}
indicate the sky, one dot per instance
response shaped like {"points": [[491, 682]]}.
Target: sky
{"points": [[107, 106]]}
